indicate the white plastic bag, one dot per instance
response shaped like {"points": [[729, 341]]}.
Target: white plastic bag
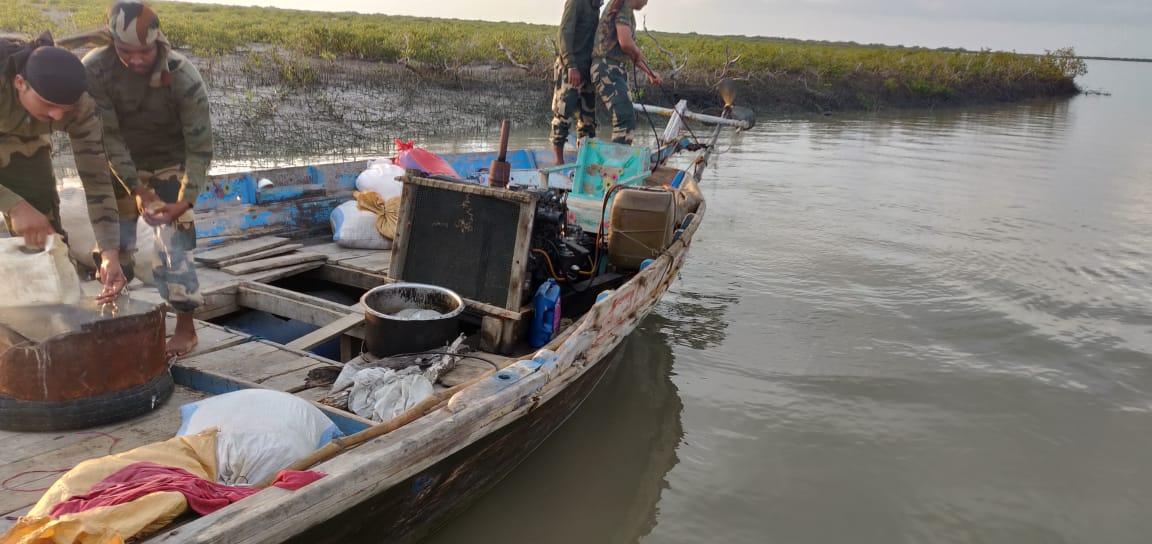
{"points": [[261, 432], [82, 240], [38, 278], [380, 177], [381, 394], [356, 228]]}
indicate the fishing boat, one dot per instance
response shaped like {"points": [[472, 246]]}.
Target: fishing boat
{"points": [[491, 246]]}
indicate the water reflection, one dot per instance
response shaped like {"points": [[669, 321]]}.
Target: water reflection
{"points": [[601, 476], [695, 320]]}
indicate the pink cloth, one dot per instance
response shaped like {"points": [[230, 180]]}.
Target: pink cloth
{"points": [[139, 479], [295, 479], [414, 158]]}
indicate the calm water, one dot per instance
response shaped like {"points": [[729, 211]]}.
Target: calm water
{"points": [[904, 327]]}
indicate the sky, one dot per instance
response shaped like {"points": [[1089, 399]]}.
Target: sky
{"points": [[1116, 28]]}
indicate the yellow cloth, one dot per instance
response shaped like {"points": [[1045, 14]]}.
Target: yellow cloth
{"points": [[115, 524], [387, 211]]}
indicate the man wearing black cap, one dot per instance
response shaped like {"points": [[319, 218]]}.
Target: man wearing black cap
{"points": [[42, 89]]}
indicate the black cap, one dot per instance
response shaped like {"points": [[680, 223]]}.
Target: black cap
{"points": [[56, 75]]}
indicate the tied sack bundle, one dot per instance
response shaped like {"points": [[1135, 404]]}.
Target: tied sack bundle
{"points": [[387, 211]]}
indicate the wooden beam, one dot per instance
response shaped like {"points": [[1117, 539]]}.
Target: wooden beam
{"points": [[213, 257], [327, 332], [286, 272], [290, 304], [491, 334], [289, 248], [274, 263], [403, 228], [520, 256], [503, 194]]}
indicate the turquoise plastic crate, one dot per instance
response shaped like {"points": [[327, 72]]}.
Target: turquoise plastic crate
{"points": [[600, 165]]}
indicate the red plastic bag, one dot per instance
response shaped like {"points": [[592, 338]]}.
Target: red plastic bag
{"points": [[414, 158]]}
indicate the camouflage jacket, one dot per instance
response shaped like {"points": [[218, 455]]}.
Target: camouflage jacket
{"points": [[150, 127], [608, 47], [23, 134], [578, 34]]}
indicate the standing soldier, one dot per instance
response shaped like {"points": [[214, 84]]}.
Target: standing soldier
{"points": [[615, 46], [574, 95], [42, 90], [158, 134]]}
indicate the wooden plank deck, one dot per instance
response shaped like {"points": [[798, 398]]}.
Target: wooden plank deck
{"points": [[240, 249], [212, 337], [374, 261], [255, 361]]}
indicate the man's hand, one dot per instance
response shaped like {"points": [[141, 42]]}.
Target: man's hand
{"points": [[146, 196], [111, 275], [655, 79], [31, 224], [165, 214], [574, 78]]}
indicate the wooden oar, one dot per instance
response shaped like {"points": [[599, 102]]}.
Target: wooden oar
{"points": [[341, 445]]}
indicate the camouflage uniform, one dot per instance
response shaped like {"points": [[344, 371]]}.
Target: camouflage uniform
{"points": [[26, 162], [577, 36], [158, 134], [608, 70]]}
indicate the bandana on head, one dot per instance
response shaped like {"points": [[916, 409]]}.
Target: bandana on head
{"points": [[130, 22], [133, 23]]}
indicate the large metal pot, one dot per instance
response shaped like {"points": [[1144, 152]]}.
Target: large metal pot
{"points": [[385, 334]]}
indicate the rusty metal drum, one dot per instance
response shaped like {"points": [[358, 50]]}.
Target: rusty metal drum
{"points": [[72, 367]]}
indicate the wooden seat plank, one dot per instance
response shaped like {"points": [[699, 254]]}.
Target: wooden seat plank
{"points": [[240, 249], [284, 261], [376, 263], [256, 362]]}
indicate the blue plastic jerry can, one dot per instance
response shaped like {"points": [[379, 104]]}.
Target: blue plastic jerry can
{"points": [[546, 315]]}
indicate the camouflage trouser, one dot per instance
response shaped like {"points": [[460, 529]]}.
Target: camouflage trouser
{"points": [[32, 178], [569, 102], [173, 267], [611, 82]]}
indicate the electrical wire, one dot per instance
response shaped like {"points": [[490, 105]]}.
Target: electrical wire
{"points": [[461, 355], [651, 123], [551, 269]]}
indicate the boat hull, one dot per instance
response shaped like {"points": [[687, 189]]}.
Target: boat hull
{"points": [[416, 507]]}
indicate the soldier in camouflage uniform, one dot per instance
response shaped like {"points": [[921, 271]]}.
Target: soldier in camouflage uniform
{"points": [[574, 96], [158, 133], [615, 46], [42, 88]]}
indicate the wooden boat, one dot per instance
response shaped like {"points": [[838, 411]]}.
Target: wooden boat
{"points": [[401, 485]]}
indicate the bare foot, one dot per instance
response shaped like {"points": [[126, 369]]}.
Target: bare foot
{"points": [[184, 339]]}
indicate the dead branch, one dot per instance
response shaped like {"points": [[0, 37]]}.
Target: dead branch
{"points": [[676, 67], [728, 64], [508, 53]]}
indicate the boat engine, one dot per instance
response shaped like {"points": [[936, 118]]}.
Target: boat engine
{"points": [[561, 250]]}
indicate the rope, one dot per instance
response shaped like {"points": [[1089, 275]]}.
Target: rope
{"points": [[6, 485]]}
